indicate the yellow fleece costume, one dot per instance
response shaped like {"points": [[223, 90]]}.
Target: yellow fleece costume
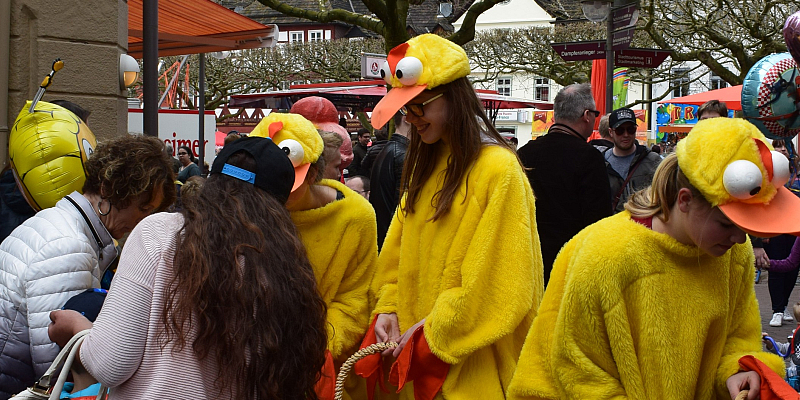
{"points": [[341, 240], [475, 274], [632, 313]]}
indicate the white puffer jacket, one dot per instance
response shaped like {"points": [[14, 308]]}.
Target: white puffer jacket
{"points": [[54, 255]]}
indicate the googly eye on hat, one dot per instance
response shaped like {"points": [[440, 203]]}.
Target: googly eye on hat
{"points": [[423, 62], [296, 136], [731, 163]]}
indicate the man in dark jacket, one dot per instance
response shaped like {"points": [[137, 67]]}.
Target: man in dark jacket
{"points": [[381, 138], [630, 166], [359, 151], [566, 173], [385, 178]]}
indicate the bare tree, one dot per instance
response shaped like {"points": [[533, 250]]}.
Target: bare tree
{"points": [[260, 70], [386, 18], [727, 37]]}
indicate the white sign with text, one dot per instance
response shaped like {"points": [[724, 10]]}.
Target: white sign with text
{"points": [[180, 128]]}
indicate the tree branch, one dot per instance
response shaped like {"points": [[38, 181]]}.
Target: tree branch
{"points": [[337, 14]]}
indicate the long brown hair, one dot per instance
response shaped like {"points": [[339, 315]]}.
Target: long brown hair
{"points": [[466, 123], [242, 280]]}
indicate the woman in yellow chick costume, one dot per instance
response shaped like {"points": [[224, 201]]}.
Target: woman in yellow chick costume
{"points": [[338, 229], [657, 302], [459, 276]]}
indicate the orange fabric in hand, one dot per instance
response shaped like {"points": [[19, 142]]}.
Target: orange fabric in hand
{"points": [[326, 385], [370, 367], [773, 387], [417, 363]]}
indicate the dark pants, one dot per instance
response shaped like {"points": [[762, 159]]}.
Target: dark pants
{"points": [[780, 288]]}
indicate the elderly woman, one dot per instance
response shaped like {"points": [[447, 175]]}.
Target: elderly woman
{"points": [[64, 250], [188, 168]]}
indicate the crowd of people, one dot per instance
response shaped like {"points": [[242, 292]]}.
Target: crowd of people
{"points": [[563, 270]]}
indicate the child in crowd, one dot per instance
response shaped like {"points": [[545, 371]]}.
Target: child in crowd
{"points": [[675, 321], [789, 351]]}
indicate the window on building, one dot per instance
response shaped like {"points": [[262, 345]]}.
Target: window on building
{"points": [[315, 36], [296, 36], [717, 82], [680, 82], [541, 89], [504, 86]]}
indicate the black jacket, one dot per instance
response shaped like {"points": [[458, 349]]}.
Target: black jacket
{"points": [[359, 151], [369, 159], [571, 188], [385, 182], [14, 210]]}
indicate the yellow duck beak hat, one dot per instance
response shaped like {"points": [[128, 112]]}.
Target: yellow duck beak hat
{"points": [[731, 163], [297, 137], [423, 62], [47, 149]]}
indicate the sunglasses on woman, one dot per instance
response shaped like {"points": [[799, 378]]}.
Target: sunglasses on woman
{"points": [[417, 109]]}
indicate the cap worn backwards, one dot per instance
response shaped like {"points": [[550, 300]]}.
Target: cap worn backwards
{"points": [[274, 173]]}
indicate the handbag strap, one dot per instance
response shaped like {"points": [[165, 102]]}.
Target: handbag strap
{"points": [[55, 394], [44, 382]]}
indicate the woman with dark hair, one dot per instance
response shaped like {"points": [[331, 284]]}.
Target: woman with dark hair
{"points": [[188, 167], [460, 271], [234, 314], [64, 250]]}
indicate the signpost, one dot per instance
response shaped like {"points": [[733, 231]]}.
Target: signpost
{"points": [[640, 58], [621, 39], [624, 17], [580, 51]]}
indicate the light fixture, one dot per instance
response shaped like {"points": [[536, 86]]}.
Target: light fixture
{"points": [[595, 10], [128, 71]]}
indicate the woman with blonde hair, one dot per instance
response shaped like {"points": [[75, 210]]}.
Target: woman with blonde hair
{"points": [[657, 302]]}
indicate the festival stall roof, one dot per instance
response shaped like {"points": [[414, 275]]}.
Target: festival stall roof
{"points": [[197, 26], [362, 95], [731, 96]]}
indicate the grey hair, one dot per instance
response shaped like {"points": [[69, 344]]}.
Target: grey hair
{"points": [[572, 101], [168, 148]]}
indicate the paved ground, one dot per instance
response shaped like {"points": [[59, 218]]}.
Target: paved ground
{"points": [[765, 305]]}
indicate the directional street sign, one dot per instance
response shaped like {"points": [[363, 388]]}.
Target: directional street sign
{"points": [[621, 40], [581, 51], [640, 58], [625, 17]]}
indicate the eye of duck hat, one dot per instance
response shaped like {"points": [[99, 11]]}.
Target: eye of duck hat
{"points": [[731, 163], [424, 62], [274, 173], [297, 137]]}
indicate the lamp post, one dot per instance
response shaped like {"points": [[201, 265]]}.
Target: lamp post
{"points": [[599, 11]]}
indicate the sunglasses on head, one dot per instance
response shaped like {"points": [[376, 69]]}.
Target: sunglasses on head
{"points": [[631, 130]]}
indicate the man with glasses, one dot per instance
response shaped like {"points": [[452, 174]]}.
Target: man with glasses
{"points": [[566, 173], [629, 165]]}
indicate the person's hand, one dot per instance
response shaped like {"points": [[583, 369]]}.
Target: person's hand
{"points": [[65, 324], [744, 380], [766, 342], [762, 260], [387, 329], [405, 337]]}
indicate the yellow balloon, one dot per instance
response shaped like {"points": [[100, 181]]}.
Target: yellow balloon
{"points": [[48, 149]]}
